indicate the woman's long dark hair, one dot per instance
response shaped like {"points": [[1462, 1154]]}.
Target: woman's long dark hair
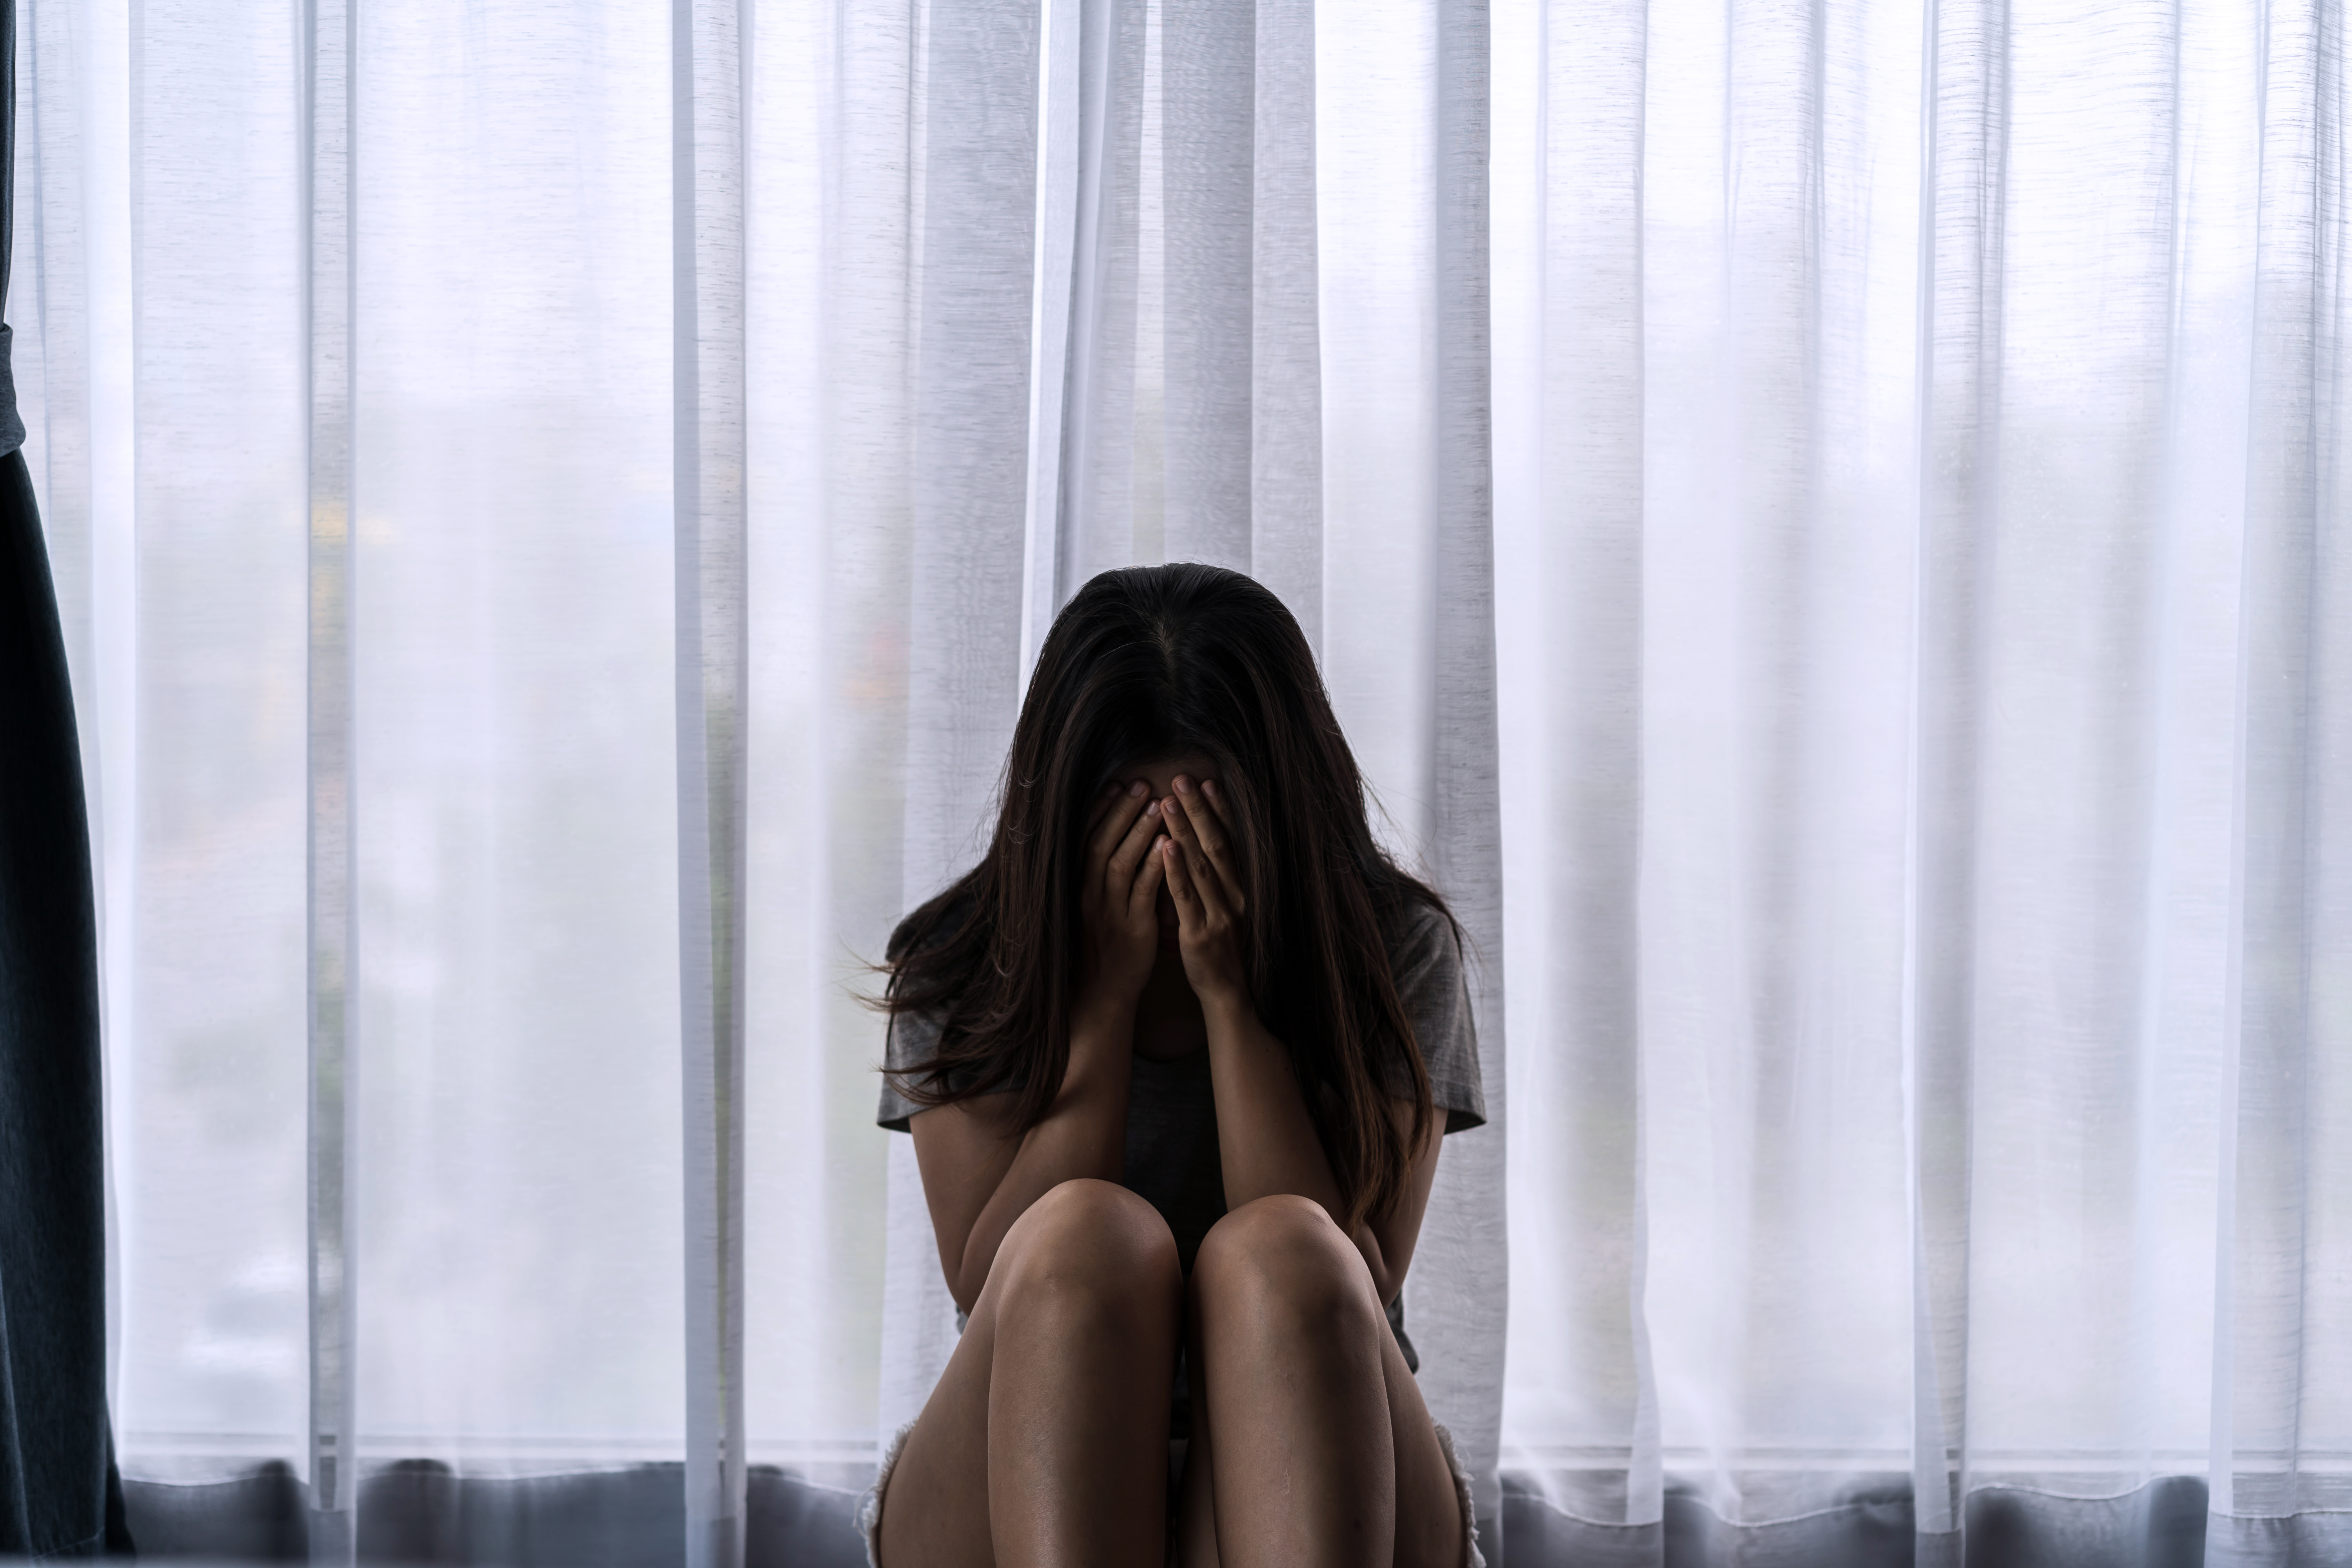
{"points": [[1142, 665]]}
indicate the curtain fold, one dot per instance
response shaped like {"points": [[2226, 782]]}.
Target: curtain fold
{"points": [[334, 1087], [709, 60]]}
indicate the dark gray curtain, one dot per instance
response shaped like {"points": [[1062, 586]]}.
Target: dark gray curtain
{"points": [[2162, 1525], [421, 1513], [59, 1495]]}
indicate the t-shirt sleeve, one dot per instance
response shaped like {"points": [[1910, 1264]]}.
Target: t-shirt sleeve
{"points": [[913, 1038], [1435, 990]]}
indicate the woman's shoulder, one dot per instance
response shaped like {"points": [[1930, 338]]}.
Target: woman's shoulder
{"points": [[1423, 943], [1425, 957], [917, 1019]]}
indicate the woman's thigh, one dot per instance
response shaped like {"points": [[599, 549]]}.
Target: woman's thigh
{"points": [[1428, 1530], [1428, 1525], [935, 1511], [943, 1465]]}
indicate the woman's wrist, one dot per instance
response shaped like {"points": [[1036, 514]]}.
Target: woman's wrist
{"points": [[1229, 1013], [1102, 1013], [1102, 1032]]}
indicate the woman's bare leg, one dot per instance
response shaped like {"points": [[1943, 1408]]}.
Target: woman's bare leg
{"points": [[1320, 1448], [1196, 1501], [1045, 1442]]}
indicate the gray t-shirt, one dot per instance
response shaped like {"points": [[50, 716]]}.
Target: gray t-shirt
{"points": [[1171, 1121]]}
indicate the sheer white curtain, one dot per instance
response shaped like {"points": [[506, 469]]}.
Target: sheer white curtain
{"points": [[553, 502], [386, 787], [1921, 528]]}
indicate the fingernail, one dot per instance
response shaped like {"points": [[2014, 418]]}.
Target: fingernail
{"points": [[1152, 810], [1135, 789], [1183, 784], [1209, 788]]}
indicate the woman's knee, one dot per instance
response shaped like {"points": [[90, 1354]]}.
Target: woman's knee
{"points": [[1284, 1262], [1090, 1245]]}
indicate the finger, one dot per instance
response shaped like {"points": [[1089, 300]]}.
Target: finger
{"points": [[1180, 883], [1112, 796], [1119, 815], [1120, 873], [1096, 815], [1214, 833], [1147, 882], [1214, 794], [1199, 870]]}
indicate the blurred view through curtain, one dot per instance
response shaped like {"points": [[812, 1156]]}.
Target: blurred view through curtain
{"points": [[552, 505]]}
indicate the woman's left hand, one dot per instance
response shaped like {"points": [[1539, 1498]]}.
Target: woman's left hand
{"points": [[1204, 880]]}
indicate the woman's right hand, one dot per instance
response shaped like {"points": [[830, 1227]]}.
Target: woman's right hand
{"points": [[1119, 905], [980, 1172]]}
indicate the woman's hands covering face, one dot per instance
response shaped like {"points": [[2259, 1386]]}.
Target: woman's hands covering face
{"points": [[1205, 878], [1122, 887]]}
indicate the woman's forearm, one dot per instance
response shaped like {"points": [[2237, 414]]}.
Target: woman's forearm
{"points": [[1083, 1133], [1266, 1140]]}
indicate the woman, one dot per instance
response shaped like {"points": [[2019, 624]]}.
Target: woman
{"points": [[1177, 1055]]}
